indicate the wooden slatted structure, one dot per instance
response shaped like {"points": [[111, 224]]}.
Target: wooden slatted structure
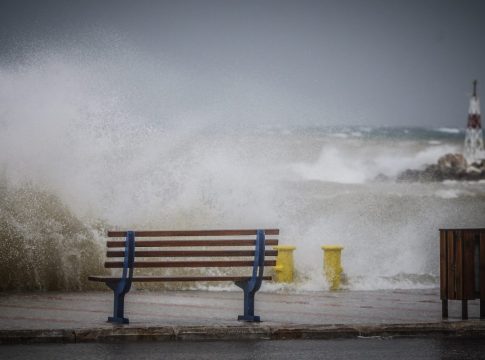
{"points": [[208, 244], [248, 249], [462, 268]]}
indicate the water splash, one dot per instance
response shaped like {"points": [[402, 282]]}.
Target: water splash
{"points": [[44, 246], [77, 150]]}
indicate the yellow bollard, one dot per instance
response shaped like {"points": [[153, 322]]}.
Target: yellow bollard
{"points": [[332, 265], [284, 263]]}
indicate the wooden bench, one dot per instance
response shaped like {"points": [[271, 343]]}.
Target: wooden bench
{"points": [[236, 247]]}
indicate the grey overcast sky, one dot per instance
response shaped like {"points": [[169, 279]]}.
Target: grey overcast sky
{"points": [[350, 62]]}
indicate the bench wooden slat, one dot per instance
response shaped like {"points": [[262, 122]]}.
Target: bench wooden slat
{"points": [[102, 278], [158, 233], [169, 264], [190, 253], [184, 243]]}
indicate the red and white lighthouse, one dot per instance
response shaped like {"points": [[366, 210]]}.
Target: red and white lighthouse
{"points": [[473, 135]]}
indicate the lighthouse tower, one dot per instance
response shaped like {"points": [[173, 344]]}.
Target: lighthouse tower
{"points": [[473, 136]]}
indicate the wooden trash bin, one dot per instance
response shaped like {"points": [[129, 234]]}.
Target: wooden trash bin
{"points": [[462, 268]]}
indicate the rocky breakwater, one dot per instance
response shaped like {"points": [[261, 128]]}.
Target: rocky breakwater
{"points": [[448, 167]]}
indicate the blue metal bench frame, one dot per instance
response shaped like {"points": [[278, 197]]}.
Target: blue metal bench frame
{"points": [[123, 285], [250, 287]]}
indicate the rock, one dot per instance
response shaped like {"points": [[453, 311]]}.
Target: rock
{"points": [[473, 169], [448, 167], [478, 165], [431, 173], [382, 178], [452, 162]]}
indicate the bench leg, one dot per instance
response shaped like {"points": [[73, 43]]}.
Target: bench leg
{"points": [[118, 305], [464, 310], [248, 307], [444, 308]]}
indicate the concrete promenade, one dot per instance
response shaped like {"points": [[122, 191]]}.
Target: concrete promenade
{"points": [[209, 315]]}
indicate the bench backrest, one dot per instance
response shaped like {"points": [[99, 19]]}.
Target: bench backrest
{"points": [[211, 248]]}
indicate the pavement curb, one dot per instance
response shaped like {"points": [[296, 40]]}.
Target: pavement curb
{"points": [[37, 336], [469, 328], [465, 328]]}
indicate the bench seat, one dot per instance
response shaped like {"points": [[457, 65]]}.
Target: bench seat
{"points": [[105, 279]]}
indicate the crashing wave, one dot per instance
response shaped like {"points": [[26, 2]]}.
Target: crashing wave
{"points": [[44, 246]]}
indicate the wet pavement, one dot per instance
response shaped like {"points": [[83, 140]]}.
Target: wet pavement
{"points": [[179, 315], [345, 349]]}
